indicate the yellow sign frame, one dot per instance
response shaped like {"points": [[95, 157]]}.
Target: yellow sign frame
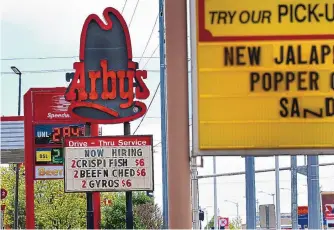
{"points": [[231, 149]]}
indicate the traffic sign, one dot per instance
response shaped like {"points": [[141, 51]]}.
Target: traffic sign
{"points": [[223, 221], [3, 193], [263, 81], [108, 163]]}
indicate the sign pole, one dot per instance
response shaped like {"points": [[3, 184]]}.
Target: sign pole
{"points": [[164, 153], [313, 192], [278, 198], [215, 199], [250, 193], [17, 168], [294, 193], [89, 195], [129, 212]]}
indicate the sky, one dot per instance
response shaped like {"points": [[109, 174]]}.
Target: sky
{"points": [[35, 29]]}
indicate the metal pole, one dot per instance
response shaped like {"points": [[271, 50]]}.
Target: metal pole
{"points": [[313, 192], [278, 195], [207, 219], [294, 193], [321, 211], [195, 197], [238, 215], [17, 167], [19, 99], [128, 195], [1, 222], [250, 193], [89, 195], [215, 219], [164, 153]]}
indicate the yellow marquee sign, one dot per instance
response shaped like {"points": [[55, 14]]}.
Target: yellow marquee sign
{"points": [[263, 87], [268, 17]]}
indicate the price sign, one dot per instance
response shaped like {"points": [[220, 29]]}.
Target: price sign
{"points": [[49, 156], [115, 163], [43, 156], [53, 134]]}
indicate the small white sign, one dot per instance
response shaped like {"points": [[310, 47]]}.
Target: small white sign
{"points": [[114, 163], [49, 172]]}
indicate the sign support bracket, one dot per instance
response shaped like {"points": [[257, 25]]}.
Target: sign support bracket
{"points": [[89, 195], [129, 212]]}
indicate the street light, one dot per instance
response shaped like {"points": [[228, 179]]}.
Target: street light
{"points": [[17, 168], [269, 194], [18, 72], [237, 204]]}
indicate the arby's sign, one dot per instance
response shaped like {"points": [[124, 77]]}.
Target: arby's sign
{"points": [[110, 163], [106, 82]]}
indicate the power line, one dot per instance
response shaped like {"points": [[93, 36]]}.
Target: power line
{"points": [[54, 57], [134, 12], [55, 71], [148, 60], [160, 141], [124, 6], [149, 39], [149, 106]]}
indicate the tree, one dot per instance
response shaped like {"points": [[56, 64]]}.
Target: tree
{"points": [[8, 183], [210, 224], [235, 223], [53, 208], [63, 211], [149, 215], [146, 213]]}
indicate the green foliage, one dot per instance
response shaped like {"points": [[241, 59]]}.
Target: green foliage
{"points": [[53, 208], [210, 224], [235, 223], [56, 210], [147, 215], [8, 183], [64, 210]]}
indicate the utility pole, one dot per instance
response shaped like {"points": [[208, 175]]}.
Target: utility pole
{"points": [[164, 158]]}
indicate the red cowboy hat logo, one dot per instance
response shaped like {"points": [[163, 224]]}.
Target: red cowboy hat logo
{"points": [[106, 82]]}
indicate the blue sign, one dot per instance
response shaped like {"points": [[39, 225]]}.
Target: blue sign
{"points": [[303, 221]]}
